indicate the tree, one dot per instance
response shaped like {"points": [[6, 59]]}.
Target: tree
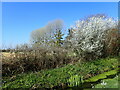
{"points": [[68, 38], [90, 34], [56, 28], [50, 35], [38, 37], [58, 38]]}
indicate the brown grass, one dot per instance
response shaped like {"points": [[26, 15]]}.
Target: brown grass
{"points": [[35, 60]]}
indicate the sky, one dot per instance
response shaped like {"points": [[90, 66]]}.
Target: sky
{"points": [[19, 19]]}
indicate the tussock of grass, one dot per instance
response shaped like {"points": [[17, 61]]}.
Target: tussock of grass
{"points": [[59, 76]]}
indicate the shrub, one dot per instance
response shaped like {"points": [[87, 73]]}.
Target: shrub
{"points": [[112, 43], [90, 36], [35, 60]]}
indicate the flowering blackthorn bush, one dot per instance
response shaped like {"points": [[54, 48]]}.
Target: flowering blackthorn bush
{"points": [[89, 35]]}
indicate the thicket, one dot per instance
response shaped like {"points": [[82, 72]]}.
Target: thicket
{"points": [[95, 37], [36, 60]]}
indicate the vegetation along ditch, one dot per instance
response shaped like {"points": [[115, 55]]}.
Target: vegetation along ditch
{"points": [[86, 57]]}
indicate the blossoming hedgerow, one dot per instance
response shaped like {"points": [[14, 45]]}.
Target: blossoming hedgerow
{"points": [[89, 34]]}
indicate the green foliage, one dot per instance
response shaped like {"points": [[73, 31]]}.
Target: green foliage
{"points": [[58, 38], [108, 83], [56, 77], [102, 76], [75, 80]]}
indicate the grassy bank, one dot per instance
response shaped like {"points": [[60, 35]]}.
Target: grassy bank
{"points": [[69, 75], [109, 83]]}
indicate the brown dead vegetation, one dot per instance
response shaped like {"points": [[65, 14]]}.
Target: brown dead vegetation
{"points": [[35, 60]]}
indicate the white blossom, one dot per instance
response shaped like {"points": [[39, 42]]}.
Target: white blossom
{"points": [[89, 34], [103, 83]]}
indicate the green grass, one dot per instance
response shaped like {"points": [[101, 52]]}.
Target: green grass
{"points": [[60, 76], [108, 83], [102, 76]]}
